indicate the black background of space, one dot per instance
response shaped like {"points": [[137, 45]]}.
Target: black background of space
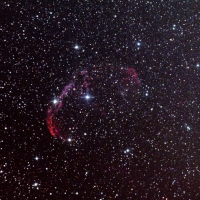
{"points": [[159, 157]]}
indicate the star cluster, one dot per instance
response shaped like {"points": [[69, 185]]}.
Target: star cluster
{"points": [[145, 146]]}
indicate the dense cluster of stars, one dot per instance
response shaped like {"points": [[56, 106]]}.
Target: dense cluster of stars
{"points": [[140, 145]]}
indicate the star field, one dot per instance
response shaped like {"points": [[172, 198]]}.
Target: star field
{"points": [[100, 100]]}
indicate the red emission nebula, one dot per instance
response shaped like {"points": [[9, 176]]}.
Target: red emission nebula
{"points": [[92, 98]]}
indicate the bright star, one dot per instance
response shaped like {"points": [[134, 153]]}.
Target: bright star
{"points": [[127, 151], [76, 47], [87, 96], [55, 101], [174, 27], [188, 128], [35, 184], [36, 158]]}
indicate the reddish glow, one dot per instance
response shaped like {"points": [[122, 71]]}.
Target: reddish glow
{"points": [[50, 124], [51, 111], [133, 74], [80, 86]]}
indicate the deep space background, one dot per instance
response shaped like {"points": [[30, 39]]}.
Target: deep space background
{"points": [[158, 154]]}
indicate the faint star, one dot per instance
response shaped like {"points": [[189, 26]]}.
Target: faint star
{"points": [[174, 27]]}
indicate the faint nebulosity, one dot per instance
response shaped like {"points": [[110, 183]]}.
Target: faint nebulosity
{"points": [[83, 108], [100, 100]]}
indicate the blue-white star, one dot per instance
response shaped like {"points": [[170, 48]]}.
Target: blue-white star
{"points": [[36, 158], [76, 47], [87, 97], [55, 101]]}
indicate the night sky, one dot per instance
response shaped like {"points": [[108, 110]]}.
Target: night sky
{"points": [[100, 99]]}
